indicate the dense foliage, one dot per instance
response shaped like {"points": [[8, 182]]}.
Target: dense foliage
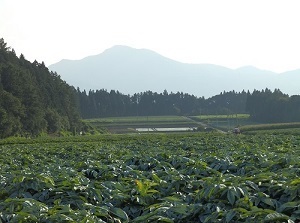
{"points": [[263, 106], [152, 178], [267, 106], [101, 103], [32, 99]]}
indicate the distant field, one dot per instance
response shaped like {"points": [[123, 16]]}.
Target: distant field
{"points": [[130, 124], [214, 117], [290, 131], [224, 122], [138, 119], [282, 127]]}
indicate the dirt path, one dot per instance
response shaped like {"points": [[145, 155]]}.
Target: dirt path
{"points": [[204, 125]]}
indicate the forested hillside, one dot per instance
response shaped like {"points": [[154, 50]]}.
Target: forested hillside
{"points": [[33, 100]]}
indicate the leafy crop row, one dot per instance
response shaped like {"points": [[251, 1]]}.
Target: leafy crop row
{"points": [[152, 178]]}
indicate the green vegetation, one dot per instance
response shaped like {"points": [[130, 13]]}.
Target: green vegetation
{"points": [[190, 177], [272, 107], [263, 106], [151, 178], [101, 103], [33, 100]]}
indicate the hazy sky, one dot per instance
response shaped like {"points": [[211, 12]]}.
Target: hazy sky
{"points": [[232, 33]]}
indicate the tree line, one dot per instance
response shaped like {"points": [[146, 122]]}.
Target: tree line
{"points": [[103, 103], [273, 106], [264, 106]]}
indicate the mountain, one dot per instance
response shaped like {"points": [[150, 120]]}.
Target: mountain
{"points": [[130, 71]]}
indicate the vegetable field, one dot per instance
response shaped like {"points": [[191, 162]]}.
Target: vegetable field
{"points": [[152, 178]]}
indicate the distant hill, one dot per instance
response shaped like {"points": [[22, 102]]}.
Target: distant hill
{"points": [[130, 71]]}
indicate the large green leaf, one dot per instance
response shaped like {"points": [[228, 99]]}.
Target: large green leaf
{"points": [[120, 214], [276, 217], [288, 206], [230, 215]]}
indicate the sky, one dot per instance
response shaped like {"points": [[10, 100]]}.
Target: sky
{"points": [[230, 33]]}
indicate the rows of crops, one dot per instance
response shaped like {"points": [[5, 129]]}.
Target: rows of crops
{"points": [[152, 178]]}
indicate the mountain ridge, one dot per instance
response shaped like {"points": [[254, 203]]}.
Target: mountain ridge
{"points": [[131, 70]]}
